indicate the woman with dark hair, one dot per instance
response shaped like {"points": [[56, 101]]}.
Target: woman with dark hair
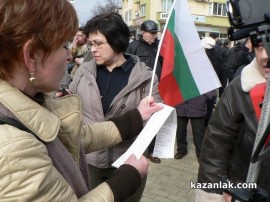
{"points": [[42, 138], [111, 84]]}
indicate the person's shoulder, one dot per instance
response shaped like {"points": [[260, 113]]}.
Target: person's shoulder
{"points": [[138, 63], [218, 48], [238, 47], [157, 41], [11, 134], [86, 68], [88, 64], [132, 47], [88, 56], [236, 84], [134, 43]]}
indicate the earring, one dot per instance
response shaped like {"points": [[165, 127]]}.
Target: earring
{"points": [[32, 78]]}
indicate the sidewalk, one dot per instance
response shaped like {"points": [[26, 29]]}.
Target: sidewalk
{"points": [[170, 180]]}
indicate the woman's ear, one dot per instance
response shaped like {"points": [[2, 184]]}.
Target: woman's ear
{"points": [[29, 56]]}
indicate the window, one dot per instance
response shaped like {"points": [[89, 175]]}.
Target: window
{"points": [[223, 36], [126, 16], [218, 9], [166, 5], [129, 15], [201, 34], [142, 10]]}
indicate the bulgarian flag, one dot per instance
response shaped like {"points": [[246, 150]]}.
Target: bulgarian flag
{"points": [[186, 71]]}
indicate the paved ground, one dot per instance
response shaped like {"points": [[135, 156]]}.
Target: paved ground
{"points": [[170, 180]]}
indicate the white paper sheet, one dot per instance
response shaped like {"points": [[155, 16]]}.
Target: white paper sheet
{"points": [[162, 123], [165, 140]]}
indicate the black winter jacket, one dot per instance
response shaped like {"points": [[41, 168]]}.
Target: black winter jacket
{"points": [[215, 57], [195, 107], [238, 56], [146, 52], [229, 139]]}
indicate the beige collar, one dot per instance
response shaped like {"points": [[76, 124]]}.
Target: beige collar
{"points": [[35, 117], [251, 76]]}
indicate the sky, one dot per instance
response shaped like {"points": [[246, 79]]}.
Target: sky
{"points": [[83, 9]]}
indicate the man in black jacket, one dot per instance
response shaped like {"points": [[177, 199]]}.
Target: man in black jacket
{"points": [[213, 52], [230, 136], [147, 45]]}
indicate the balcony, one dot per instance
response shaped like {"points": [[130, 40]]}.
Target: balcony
{"points": [[218, 21]]}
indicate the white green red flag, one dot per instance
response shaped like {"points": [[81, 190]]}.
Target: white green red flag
{"points": [[186, 71]]}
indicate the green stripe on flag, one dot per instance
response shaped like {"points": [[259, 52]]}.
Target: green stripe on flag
{"points": [[181, 72]]}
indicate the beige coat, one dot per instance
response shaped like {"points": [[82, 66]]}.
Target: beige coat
{"points": [[26, 171]]}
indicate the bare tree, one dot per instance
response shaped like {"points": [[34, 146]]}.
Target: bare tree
{"points": [[108, 7]]}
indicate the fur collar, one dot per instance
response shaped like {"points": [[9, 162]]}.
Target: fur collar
{"points": [[251, 76]]}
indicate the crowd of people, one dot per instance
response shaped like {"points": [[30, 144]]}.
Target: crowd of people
{"points": [[43, 138], [69, 139]]}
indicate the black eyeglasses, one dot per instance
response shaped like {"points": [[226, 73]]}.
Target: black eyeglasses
{"points": [[96, 44], [66, 47]]}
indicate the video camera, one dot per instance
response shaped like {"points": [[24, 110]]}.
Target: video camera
{"points": [[247, 16], [248, 13]]}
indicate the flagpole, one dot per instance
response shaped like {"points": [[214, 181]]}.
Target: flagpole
{"points": [[158, 51]]}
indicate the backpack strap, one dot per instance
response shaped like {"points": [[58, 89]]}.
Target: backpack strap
{"points": [[15, 123], [61, 160]]}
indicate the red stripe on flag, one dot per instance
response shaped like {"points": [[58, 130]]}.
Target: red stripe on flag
{"points": [[168, 87], [167, 51], [169, 91]]}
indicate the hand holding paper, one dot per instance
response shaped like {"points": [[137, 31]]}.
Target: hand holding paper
{"points": [[140, 164], [147, 107], [163, 118]]}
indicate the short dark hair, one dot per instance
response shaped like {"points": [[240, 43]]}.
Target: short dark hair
{"points": [[226, 42], [214, 35], [81, 28], [219, 42], [112, 26]]}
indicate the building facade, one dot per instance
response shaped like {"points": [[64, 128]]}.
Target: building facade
{"points": [[208, 15]]}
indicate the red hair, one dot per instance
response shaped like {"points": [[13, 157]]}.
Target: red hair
{"points": [[48, 23]]}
